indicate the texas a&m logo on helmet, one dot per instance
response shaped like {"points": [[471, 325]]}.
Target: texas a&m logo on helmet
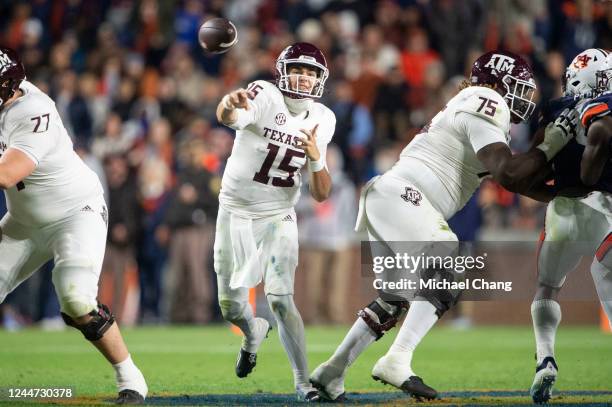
{"points": [[12, 73], [511, 76]]}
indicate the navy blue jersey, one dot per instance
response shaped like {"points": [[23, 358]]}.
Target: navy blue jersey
{"points": [[590, 111], [566, 164]]}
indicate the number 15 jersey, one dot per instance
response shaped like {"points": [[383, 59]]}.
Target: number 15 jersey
{"points": [[262, 177]]}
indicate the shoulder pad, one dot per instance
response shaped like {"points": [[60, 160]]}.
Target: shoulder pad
{"points": [[29, 105], [595, 108], [265, 87], [485, 103]]}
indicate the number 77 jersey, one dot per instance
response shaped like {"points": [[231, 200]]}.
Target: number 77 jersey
{"points": [[60, 182], [262, 177]]}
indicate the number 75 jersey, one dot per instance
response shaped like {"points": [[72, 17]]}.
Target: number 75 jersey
{"points": [[60, 182], [262, 177]]}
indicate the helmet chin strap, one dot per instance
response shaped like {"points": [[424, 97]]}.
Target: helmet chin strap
{"points": [[297, 106]]}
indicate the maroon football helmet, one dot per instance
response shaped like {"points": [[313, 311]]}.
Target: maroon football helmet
{"points": [[12, 73], [511, 76], [301, 53]]}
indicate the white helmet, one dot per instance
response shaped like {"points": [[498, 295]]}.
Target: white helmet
{"points": [[581, 74], [604, 77]]}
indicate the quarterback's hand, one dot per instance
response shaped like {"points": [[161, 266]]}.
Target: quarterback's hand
{"points": [[309, 143], [237, 99], [558, 133]]}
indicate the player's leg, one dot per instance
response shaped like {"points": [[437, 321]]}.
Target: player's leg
{"points": [[601, 270], [280, 245], [234, 303], [429, 305], [78, 246], [560, 251], [383, 313], [20, 255]]}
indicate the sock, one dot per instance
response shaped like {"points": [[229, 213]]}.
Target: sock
{"points": [[546, 315], [246, 323], [358, 338], [291, 333], [130, 377], [420, 319]]}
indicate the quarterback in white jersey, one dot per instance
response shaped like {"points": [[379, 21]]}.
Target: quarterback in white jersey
{"points": [[56, 210], [435, 176], [279, 129]]}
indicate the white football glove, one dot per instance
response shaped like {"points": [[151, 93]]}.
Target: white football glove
{"points": [[558, 133]]}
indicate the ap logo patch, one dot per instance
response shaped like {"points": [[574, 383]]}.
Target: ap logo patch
{"points": [[412, 195], [5, 62], [500, 63]]}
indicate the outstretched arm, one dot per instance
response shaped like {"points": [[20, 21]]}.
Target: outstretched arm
{"points": [[227, 109], [520, 172], [517, 173]]}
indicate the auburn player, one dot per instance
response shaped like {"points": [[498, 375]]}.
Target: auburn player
{"points": [[56, 210], [279, 128], [580, 226], [435, 176]]}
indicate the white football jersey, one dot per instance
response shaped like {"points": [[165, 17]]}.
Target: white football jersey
{"points": [[442, 161], [61, 182], [262, 176]]}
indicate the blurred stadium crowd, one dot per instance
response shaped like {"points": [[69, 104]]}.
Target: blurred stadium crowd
{"points": [[138, 96]]}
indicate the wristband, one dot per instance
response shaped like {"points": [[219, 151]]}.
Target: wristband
{"points": [[316, 166]]}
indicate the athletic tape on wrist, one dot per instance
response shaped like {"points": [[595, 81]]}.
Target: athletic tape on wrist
{"points": [[316, 166]]}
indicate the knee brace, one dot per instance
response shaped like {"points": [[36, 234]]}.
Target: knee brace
{"points": [[101, 320], [442, 299], [381, 315]]}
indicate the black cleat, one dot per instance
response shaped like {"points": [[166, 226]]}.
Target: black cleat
{"points": [[247, 360], [129, 397], [245, 363], [311, 396], [325, 396], [544, 380], [415, 387]]}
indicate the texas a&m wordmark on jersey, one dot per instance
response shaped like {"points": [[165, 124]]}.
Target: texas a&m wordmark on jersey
{"points": [[442, 160], [61, 182], [262, 176]]}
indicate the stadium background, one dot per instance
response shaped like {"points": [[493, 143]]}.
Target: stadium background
{"points": [[138, 96]]}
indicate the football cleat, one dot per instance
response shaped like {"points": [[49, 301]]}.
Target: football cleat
{"points": [[129, 397], [330, 383], [394, 369], [247, 360], [544, 380], [308, 395]]}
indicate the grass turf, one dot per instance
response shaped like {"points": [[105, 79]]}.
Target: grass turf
{"points": [[183, 365]]}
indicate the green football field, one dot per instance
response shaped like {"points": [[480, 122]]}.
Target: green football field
{"points": [[194, 366]]}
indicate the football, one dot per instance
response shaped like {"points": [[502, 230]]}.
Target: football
{"points": [[217, 35]]}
